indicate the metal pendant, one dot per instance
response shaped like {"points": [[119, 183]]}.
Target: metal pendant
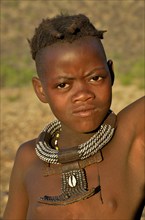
{"points": [[74, 188], [74, 180]]}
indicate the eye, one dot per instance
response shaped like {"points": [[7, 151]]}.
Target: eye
{"points": [[63, 86], [96, 78]]}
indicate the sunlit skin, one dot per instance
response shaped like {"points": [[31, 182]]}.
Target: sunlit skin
{"points": [[74, 79], [77, 87]]}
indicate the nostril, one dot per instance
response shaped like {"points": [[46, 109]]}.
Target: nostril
{"points": [[83, 96]]}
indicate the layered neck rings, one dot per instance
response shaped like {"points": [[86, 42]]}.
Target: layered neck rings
{"points": [[71, 163]]}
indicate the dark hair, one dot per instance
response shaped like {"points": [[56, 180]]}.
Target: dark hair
{"points": [[62, 28]]}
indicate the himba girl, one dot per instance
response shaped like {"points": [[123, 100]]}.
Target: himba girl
{"points": [[88, 163]]}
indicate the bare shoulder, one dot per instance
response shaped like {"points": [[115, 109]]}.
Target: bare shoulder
{"points": [[133, 116], [26, 152], [29, 145], [24, 159], [131, 123], [135, 107]]}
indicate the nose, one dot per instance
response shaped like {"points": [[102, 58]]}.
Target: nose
{"points": [[82, 94]]}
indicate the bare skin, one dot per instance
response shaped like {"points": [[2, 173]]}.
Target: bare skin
{"points": [[78, 77]]}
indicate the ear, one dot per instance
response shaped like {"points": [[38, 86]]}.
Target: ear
{"points": [[111, 70], [39, 89]]}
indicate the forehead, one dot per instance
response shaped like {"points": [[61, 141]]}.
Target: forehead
{"points": [[85, 48]]}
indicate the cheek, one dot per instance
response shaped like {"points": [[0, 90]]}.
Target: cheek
{"points": [[108, 89], [108, 97], [104, 94], [108, 93], [58, 105]]}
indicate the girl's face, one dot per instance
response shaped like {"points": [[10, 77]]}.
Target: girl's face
{"points": [[76, 82]]}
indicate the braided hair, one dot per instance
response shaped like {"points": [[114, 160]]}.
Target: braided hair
{"points": [[62, 28]]}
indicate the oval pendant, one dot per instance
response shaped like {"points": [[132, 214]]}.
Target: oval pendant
{"points": [[72, 181]]}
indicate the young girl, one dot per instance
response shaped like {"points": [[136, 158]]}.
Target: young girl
{"points": [[88, 164]]}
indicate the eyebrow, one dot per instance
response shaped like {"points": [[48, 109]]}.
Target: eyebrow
{"points": [[67, 77], [92, 71]]}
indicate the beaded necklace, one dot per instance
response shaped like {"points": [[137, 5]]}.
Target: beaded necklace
{"points": [[73, 161]]}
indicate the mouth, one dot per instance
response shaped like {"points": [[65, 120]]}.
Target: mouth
{"points": [[84, 111]]}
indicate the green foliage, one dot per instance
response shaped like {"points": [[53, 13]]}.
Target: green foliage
{"points": [[135, 75], [12, 76], [124, 41], [17, 76]]}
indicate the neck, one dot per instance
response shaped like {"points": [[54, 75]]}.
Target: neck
{"points": [[69, 138], [82, 151], [74, 139]]}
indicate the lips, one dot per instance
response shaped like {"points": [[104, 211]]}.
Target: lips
{"points": [[84, 111]]}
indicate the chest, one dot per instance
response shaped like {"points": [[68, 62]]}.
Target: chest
{"points": [[111, 175]]}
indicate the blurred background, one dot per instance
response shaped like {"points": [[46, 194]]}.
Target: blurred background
{"points": [[22, 115], [124, 40]]}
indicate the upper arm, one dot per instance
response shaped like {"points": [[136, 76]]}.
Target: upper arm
{"points": [[138, 112], [18, 200], [132, 120], [134, 117], [137, 153]]}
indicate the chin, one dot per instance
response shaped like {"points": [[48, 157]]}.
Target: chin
{"points": [[87, 127]]}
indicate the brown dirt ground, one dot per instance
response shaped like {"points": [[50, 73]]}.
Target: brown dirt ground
{"points": [[23, 117]]}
